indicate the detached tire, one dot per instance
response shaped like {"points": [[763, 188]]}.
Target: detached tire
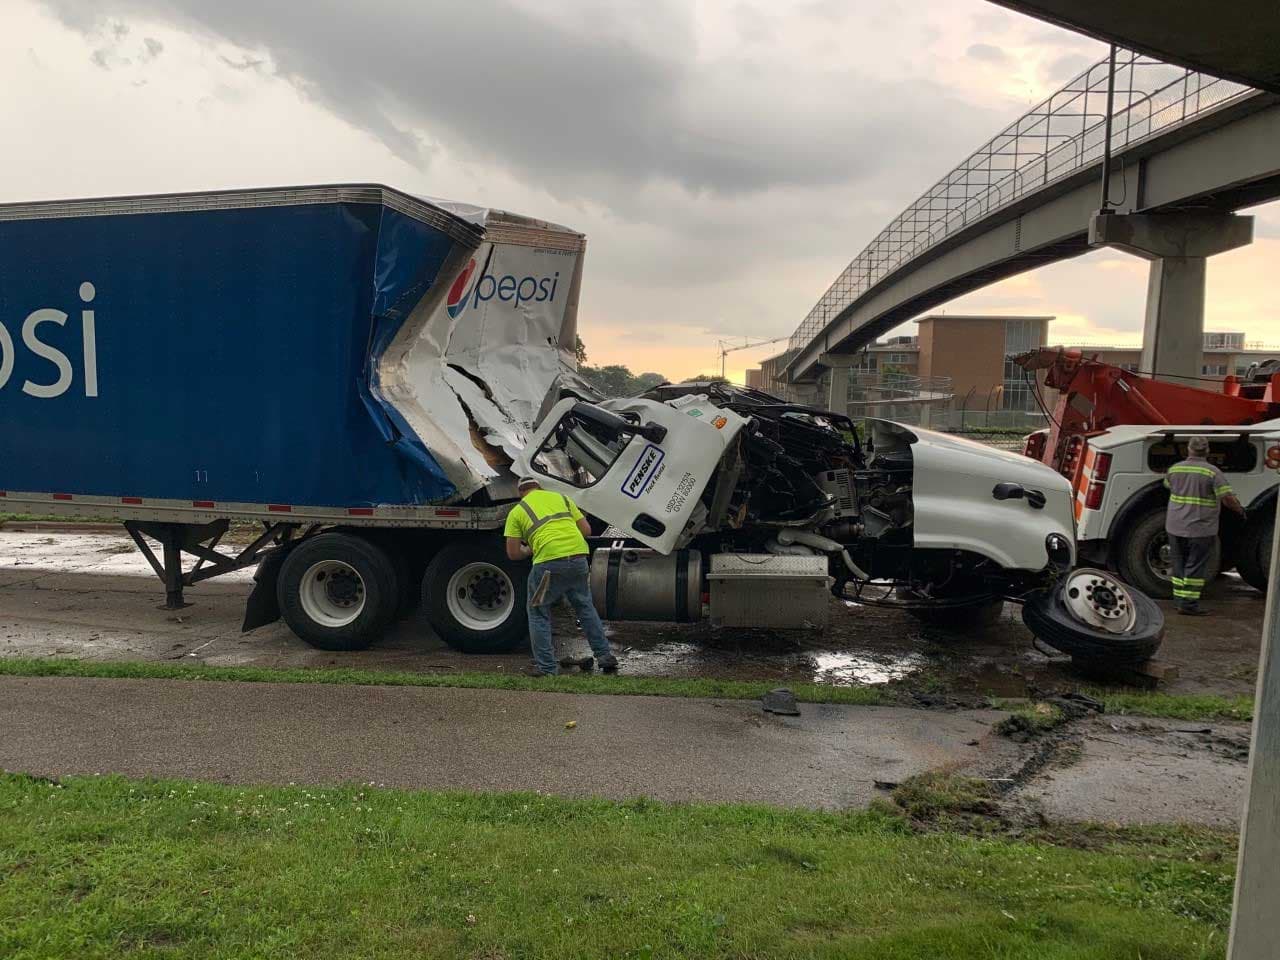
{"points": [[1253, 552], [474, 596], [1049, 618], [337, 591], [1142, 556]]}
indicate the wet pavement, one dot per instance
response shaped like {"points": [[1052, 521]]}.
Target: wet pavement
{"points": [[90, 595], [445, 738], [1137, 770]]}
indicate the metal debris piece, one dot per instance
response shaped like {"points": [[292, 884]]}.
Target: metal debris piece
{"points": [[781, 701]]}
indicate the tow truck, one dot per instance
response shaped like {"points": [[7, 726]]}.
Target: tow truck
{"points": [[1114, 433]]}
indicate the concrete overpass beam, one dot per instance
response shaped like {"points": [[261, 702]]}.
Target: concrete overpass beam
{"points": [[1177, 244]]}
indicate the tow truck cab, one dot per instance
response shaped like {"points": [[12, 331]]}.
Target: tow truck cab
{"points": [[1120, 501]]}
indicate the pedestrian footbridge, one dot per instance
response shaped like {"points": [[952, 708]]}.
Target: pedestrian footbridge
{"points": [[1182, 143]]}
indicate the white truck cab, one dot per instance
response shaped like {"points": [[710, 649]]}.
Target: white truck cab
{"points": [[752, 498]]}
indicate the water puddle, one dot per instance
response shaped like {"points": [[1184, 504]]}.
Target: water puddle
{"points": [[852, 668]]}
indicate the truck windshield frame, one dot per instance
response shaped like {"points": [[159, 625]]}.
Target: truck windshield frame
{"points": [[580, 448]]}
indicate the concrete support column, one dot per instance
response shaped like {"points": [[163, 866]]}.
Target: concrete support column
{"points": [[1173, 328], [1177, 244]]}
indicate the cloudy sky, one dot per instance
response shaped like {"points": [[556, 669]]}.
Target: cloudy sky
{"points": [[726, 159]]}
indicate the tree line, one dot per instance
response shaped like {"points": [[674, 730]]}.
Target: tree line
{"points": [[614, 379]]}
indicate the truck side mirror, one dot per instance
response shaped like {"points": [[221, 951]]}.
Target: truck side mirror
{"points": [[1007, 491], [1016, 491]]}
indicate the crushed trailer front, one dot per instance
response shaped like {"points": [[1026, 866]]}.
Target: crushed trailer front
{"points": [[310, 358]]}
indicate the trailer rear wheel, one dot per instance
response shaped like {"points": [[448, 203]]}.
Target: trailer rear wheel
{"points": [[1142, 555], [475, 597], [1253, 555], [337, 592]]}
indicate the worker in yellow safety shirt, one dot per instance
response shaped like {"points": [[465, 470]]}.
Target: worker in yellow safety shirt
{"points": [[551, 529], [1197, 492]]}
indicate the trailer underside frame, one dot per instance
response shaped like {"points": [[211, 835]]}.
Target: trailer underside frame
{"points": [[201, 541]]}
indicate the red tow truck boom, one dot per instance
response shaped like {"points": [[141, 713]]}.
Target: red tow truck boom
{"points": [[1095, 396]]}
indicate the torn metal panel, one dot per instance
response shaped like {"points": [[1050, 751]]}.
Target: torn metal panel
{"points": [[477, 362]]}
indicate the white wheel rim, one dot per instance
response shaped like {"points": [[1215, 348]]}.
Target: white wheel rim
{"points": [[1099, 600], [332, 593], [480, 596]]}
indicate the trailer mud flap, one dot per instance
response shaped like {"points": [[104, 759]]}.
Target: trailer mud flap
{"points": [[263, 607]]}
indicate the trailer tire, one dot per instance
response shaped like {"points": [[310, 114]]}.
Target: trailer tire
{"points": [[1142, 555], [1047, 616], [474, 596], [337, 591], [398, 548], [1253, 558]]}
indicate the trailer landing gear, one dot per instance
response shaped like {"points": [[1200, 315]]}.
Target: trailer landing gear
{"points": [[201, 541]]}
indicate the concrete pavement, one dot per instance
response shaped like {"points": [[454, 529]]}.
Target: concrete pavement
{"points": [[665, 748]]}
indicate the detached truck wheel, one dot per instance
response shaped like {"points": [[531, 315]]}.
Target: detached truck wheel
{"points": [[1142, 556], [1094, 617], [474, 596], [338, 591]]}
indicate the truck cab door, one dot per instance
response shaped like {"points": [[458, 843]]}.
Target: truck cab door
{"points": [[639, 464]]}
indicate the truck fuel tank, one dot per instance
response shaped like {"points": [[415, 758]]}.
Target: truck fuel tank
{"points": [[628, 583]]}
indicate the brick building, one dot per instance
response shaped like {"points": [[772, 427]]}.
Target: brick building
{"points": [[966, 356]]}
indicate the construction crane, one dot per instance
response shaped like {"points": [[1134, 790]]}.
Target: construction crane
{"points": [[729, 346]]}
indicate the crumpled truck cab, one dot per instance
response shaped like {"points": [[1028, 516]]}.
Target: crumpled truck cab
{"points": [[728, 477]]}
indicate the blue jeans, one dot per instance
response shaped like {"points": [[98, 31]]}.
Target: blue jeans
{"points": [[548, 582]]}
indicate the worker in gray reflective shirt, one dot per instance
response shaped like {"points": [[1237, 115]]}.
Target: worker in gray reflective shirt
{"points": [[1197, 493]]}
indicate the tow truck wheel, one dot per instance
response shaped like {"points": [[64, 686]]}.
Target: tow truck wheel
{"points": [[475, 597], [1095, 617], [1253, 560], [1142, 556], [337, 591]]}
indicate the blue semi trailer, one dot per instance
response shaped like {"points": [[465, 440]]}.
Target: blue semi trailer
{"points": [[351, 366]]}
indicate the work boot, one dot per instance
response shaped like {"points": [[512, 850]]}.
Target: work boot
{"points": [[1193, 610], [585, 664], [609, 664]]}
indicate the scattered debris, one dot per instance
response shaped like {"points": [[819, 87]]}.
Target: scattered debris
{"points": [[571, 724], [941, 795], [1029, 720], [781, 701]]}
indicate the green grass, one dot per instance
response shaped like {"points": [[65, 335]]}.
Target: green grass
{"points": [[567, 683], [1176, 706], [1173, 706], [939, 795], [108, 868]]}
